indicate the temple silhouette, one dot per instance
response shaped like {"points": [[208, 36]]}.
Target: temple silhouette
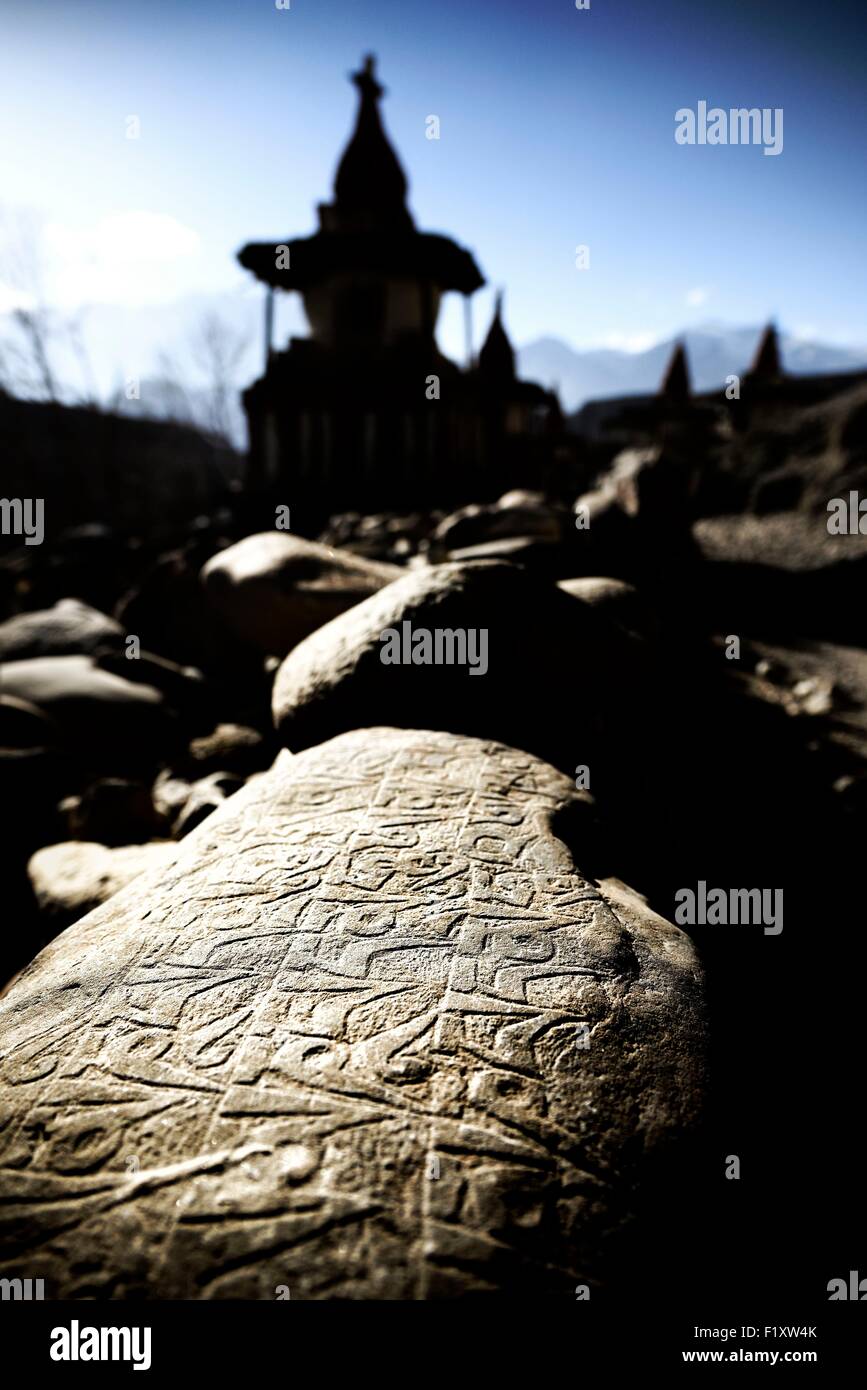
{"points": [[367, 414]]}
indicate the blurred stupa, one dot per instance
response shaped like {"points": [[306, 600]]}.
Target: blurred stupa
{"points": [[366, 414]]}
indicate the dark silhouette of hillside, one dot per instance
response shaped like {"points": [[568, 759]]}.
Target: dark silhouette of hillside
{"points": [[94, 466]]}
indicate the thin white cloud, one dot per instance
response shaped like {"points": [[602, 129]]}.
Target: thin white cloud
{"points": [[12, 299], [695, 298], [131, 258]]}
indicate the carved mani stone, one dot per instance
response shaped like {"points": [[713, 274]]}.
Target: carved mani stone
{"points": [[371, 1035]]}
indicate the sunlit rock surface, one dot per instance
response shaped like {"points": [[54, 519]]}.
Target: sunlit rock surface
{"points": [[375, 1033]]}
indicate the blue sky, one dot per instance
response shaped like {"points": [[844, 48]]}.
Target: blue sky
{"points": [[557, 128]]}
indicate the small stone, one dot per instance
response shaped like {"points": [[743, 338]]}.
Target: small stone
{"points": [[70, 628], [186, 804], [618, 600], [230, 748], [71, 878], [814, 695], [517, 514]]}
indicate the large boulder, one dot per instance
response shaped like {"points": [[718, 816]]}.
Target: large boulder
{"points": [[272, 589], [70, 628], [559, 678], [375, 1033]]}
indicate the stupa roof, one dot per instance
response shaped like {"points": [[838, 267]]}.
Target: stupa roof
{"points": [[368, 227]]}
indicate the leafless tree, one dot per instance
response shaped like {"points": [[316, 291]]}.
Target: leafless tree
{"points": [[217, 350], [28, 353], [27, 361], [197, 384]]}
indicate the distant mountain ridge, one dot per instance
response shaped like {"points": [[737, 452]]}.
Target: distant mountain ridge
{"points": [[714, 353], [153, 345]]}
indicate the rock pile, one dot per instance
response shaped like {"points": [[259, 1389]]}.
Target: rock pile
{"points": [[375, 1018]]}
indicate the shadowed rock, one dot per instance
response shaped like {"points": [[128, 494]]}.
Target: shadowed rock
{"points": [[273, 589], [113, 811], [374, 1034], [24, 725], [635, 521], [559, 675], [69, 628], [230, 748], [97, 713], [621, 602], [169, 611], [184, 805], [517, 514]]}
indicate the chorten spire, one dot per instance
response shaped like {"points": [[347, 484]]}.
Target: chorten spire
{"points": [[675, 384], [766, 363], [497, 358], [370, 185]]}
